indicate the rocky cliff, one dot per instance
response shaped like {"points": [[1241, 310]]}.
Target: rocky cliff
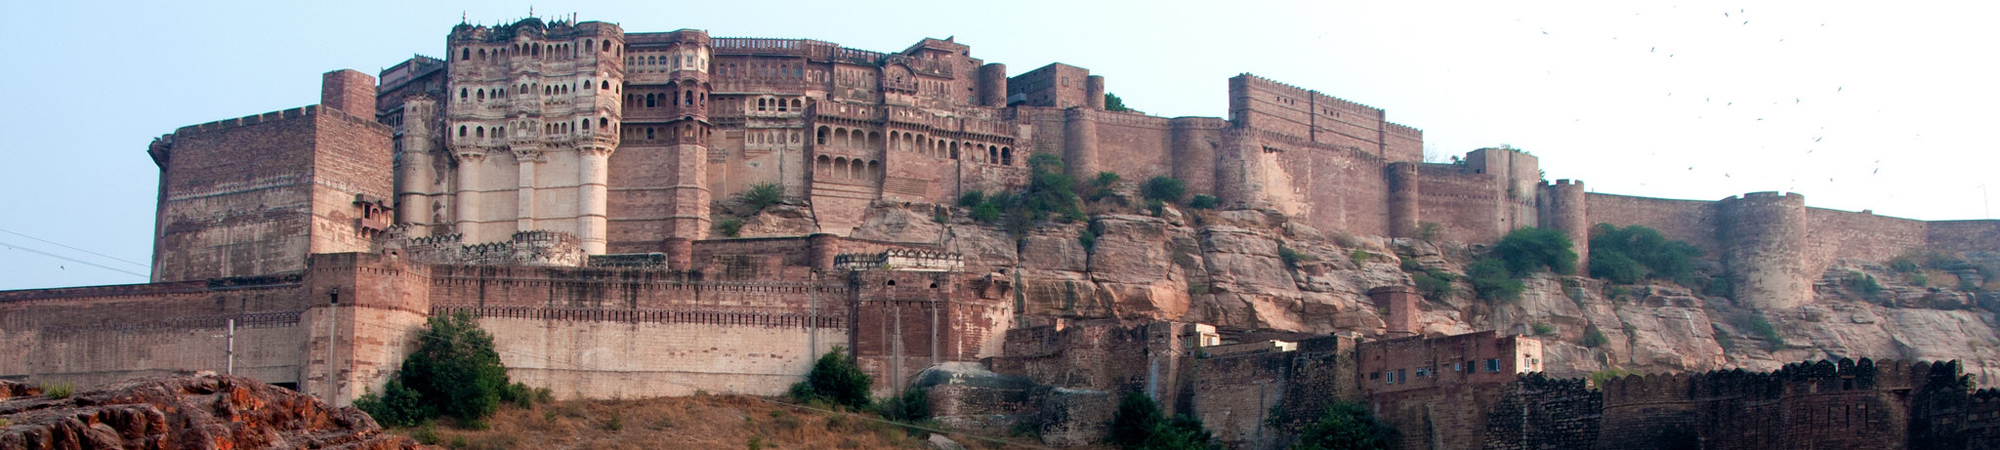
{"points": [[1252, 270], [203, 411]]}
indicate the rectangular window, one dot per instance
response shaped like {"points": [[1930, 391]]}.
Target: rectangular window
{"points": [[1493, 365]]}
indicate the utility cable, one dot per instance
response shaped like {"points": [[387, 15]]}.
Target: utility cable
{"points": [[59, 244], [79, 261]]}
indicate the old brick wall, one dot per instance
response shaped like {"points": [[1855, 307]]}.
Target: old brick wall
{"points": [[352, 157], [1964, 235], [94, 335], [1537, 412], [1465, 204], [1233, 395], [1335, 189], [1693, 221], [1833, 235], [612, 353]]}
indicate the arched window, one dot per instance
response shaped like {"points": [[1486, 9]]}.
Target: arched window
{"points": [[1006, 156], [607, 46], [461, 93], [499, 131], [587, 45], [586, 124], [461, 131], [649, 132], [992, 154], [819, 137], [796, 104], [479, 132], [760, 104], [874, 140], [464, 54], [482, 94], [649, 100], [824, 167], [954, 150], [607, 85], [687, 98], [874, 170], [603, 123], [482, 54]]}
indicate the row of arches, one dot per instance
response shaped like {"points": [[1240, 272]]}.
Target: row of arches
{"points": [[843, 137], [779, 104], [659, 99], [688, 131], [912, 142], [759, 137], [584, 125], [537, 50], [480, 94], [844, 168]]}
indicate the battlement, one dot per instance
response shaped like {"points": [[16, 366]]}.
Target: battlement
{"points": [[273, 116], [1793, 379], [533, 27]]}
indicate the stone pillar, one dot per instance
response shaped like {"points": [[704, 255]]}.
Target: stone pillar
{"points": [[524, 192], [689, 217], [348, 91], [1080, 142], [1403, 199], [467, 197], [993, 85], [1093, 91], [1401, 301], [1763, 234], [414, 174], [1569, 214], [593, 186]]}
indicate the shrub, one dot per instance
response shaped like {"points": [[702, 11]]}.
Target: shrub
{"points": [[834, 379], [971, 198], [1543, 329], [1429, 231], [1528, 250], [1114, 104], [59, 390], [1434, 284], [1292, 258], [1598, 378], [1203, 201], [1087, 239], [1344, 426], [1920, 280], [1139, 424], [763, 195], [1863, 283], [454, 373], [1627, 255], [1166, 189], [1492, 282], [1106, 179], [1156, 207], [1595, 339], [986, 212], [1756, 326], [1358, 256], [1718, 287], [1904, 264], [912, 406], [730, 227]]}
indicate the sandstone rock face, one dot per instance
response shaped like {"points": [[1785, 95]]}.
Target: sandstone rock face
{"points": [[203, 411], [1231, 269]]}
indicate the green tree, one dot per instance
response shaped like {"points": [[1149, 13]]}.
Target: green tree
{"points": [[454, 373], [835, 379], [1166, 189], [1346, 426], [1492, 282], [1528, 250], [1203, 201], [911, 406], [1139, 425], [1113, 103], [1627, 255]]}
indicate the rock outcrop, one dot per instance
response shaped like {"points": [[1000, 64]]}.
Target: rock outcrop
{"points": [[1259, 270], [201, 411]]}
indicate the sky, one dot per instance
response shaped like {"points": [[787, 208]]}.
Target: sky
{"points": [[1858, 106]]}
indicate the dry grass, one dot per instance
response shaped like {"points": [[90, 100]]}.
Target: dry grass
{"points": [[677, 423]]}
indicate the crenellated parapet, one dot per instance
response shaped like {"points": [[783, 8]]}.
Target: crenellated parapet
{"points": [[901, 260]]}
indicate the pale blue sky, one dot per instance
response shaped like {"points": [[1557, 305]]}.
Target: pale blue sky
{"points": [[1857, 105]]}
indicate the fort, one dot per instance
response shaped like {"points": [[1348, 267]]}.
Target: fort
{"points": [[563, 181]]}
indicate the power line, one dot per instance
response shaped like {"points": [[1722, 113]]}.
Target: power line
{"points": [[59, 244], [79, 261]]}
